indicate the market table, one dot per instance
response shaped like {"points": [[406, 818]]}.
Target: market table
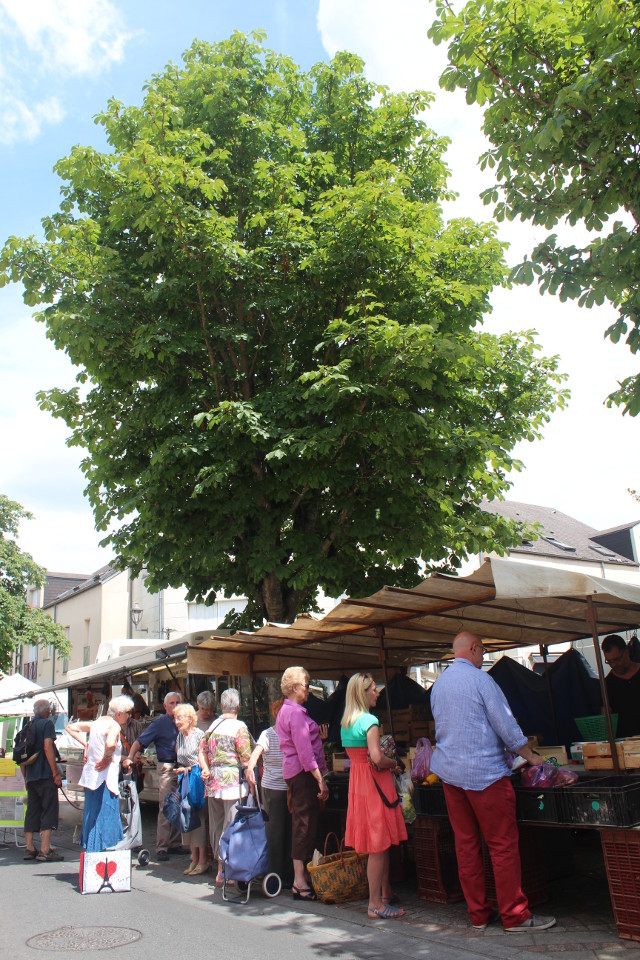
{"points": [[598, 801]]}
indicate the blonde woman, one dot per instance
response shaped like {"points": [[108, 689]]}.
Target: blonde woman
{"points": [[303, 766], [101, 824], [373, 825], [187, 745]]}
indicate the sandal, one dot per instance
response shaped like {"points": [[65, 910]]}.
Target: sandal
{"points": [[304, 894], [30, 854], [385, 912], [394, 898]]}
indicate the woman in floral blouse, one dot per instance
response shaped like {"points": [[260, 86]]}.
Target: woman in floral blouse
{"points": [[224, 751]]}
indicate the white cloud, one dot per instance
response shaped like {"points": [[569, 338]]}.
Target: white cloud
{"points": [[76, 36], [19, 122]]}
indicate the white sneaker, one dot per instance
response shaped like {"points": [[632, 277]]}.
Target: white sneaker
{"points": [[532, 924]]}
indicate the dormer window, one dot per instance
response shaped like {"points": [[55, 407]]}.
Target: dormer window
{"points": [[560, 545]]}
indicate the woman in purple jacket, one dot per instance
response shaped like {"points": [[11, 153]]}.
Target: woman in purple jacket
{"points": [[303, 764]]}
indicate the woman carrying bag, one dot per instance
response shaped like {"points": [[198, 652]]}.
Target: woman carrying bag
{"points": [[374, 815], [187, 744]]}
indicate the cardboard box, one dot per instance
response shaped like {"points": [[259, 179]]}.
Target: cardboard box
{"points": [[338, 761], [554, 753]]}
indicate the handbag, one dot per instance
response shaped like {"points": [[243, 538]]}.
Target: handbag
{"points": [[196, 787], [340, 877], [177, 809], [108, 872]]}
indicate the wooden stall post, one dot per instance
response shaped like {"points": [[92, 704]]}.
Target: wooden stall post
{"points": [[252, 680], [382, 655], [592, 619]]}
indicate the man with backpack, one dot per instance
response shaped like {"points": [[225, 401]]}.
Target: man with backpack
{"points": [[42, 779]]}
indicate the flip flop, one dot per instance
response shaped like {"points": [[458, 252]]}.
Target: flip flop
{"points": [[386, 912]]}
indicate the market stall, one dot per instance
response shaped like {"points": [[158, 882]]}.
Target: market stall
{"points": [[508, 604]]}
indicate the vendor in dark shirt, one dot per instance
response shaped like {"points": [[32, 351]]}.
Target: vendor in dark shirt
{"points": [[623, 685], [163, 733]]}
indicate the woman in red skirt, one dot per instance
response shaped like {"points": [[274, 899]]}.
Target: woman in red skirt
{"points": [[374, 815]]}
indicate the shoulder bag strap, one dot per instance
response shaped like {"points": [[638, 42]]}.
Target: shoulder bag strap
{"points": [[388, 803]]}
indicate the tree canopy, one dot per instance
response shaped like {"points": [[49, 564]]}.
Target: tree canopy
{"points": [[20, 623], [559, 81], [284, 382]]}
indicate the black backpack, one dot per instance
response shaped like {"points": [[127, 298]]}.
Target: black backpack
{"points": [[25, 749]]}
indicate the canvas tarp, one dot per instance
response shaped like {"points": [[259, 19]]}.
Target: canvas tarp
{"points": [[507, 603]]}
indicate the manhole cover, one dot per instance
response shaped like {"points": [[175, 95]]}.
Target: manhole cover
{"points": [[84, 938]]}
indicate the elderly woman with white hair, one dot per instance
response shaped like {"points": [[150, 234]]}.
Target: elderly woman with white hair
{"points": [[303, 766], [225, 749], [206, 708], [101, 824]]}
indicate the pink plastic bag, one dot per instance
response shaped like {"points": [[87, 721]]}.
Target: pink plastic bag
{"points": [[422, 762], [547, 775]]}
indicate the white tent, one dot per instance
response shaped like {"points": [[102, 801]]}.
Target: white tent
{"points": [[19, 695]]}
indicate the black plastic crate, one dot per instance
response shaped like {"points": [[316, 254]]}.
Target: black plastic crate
{"points": [[338, 785], [429, 801], [537, 806], [605, 801]]}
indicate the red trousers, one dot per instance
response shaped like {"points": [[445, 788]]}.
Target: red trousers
{"points": [[493, 812]]}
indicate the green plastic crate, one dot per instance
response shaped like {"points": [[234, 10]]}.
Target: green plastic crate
{"points": [[595, 728]]}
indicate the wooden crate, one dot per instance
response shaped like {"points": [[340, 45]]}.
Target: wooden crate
{"points": [[597, 755], [631, 753]]}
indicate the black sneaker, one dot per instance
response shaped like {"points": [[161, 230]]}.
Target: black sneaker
{"points": [[162, 856], [532, 924]]}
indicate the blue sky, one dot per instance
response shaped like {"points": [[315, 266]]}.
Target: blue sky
{"points": [[61, 60]]}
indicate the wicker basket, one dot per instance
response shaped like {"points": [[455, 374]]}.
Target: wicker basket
{"points": [[340, 877]]}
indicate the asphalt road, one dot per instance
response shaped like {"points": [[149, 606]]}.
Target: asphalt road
{"points": [[167, 916]]}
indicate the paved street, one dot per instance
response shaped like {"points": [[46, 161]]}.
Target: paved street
{"points": [[167, 915]]}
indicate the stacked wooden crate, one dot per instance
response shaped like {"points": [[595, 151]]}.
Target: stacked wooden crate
{"points": [[408, 725], [597, 755]]}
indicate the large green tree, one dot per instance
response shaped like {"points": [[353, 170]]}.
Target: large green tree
{"points": [[560, 84], [20, 623], [284, 384]]}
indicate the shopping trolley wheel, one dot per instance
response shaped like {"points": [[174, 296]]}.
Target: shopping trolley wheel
{"points": [[143, 858], [271, 885], [242, 886]]}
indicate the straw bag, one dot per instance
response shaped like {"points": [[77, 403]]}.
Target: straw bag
{"points": [[340, 877]]}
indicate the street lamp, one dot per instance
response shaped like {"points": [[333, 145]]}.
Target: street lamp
{"points": [[136, 616]]}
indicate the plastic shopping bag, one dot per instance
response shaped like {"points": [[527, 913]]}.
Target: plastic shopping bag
{"points": [[422, 762]]}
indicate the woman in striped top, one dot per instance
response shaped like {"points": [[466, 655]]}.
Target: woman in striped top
{"points": [[274, 798], [187, 744]]}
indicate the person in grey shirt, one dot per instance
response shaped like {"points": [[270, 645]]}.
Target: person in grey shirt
{"points": [[474, 725], [42, 779]]}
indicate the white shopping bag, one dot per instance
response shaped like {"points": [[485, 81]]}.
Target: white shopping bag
{"points": [[108, 872]]}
